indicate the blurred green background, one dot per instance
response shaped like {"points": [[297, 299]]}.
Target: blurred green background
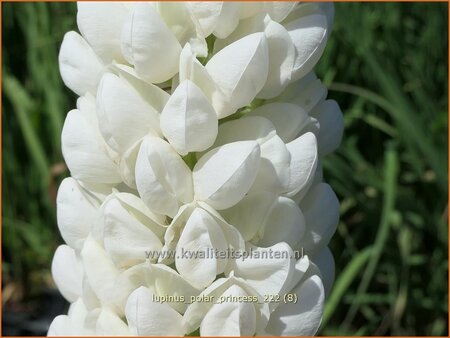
{"points": [[386, 65]]}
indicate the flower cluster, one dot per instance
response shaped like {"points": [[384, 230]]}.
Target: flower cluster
{"points": [[195, 159]]}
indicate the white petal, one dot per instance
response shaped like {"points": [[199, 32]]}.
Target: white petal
{"points": [[240, 71], [225, 174], [127, 165], [220, 18], [321, 222], [137, 207], [90, 299], [308, 8], [161, 279], [97, 192], [230, 318], [157, 98], [273, 172], [99, 269], [60, 326], [71, 324], [206, 13], [281, 60], [284, 223], [303, 163], [67, 272], [185, 27], [162, 178], [192, 69], [166, 281], [274, 165], [125, 115], [304, 268], [288, 119], [101, 25], [78, 315], [172, 235], [110, 324], [142, 45], [153, 94], [306, 92], [77, 312], [75, 213], [228, 19], [303, 317], [83, 148], [90, 321], [279, 10], [197, 310], [250, 214], [80, 68], [188, 121], [325, 262], [148, 318], [126, 238], [309, 35], [173, 232], [267, 270], [250, 25], [232, 235], [252, 128], [331, 122], [196, 260]]}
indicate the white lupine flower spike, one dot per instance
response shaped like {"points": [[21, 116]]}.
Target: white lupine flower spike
{"points": [[196, 204]]}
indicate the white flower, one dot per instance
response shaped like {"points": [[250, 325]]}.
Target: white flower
{"points": [[225, 174], [198, 228], [288, 119], [268, 275], [240, 70], [230, 317], [125, 236], [82, 322], [67, 273], [141, 44], [195, 155], [163, 180], [71, 324], [101, 25], [266, 219], [320, 225], [161, 280], [86, 153], [188, 121], [147, 317], [201, 231], [232, 77], [80, 67], [301, 318], [125, 112], [76, 213]]}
